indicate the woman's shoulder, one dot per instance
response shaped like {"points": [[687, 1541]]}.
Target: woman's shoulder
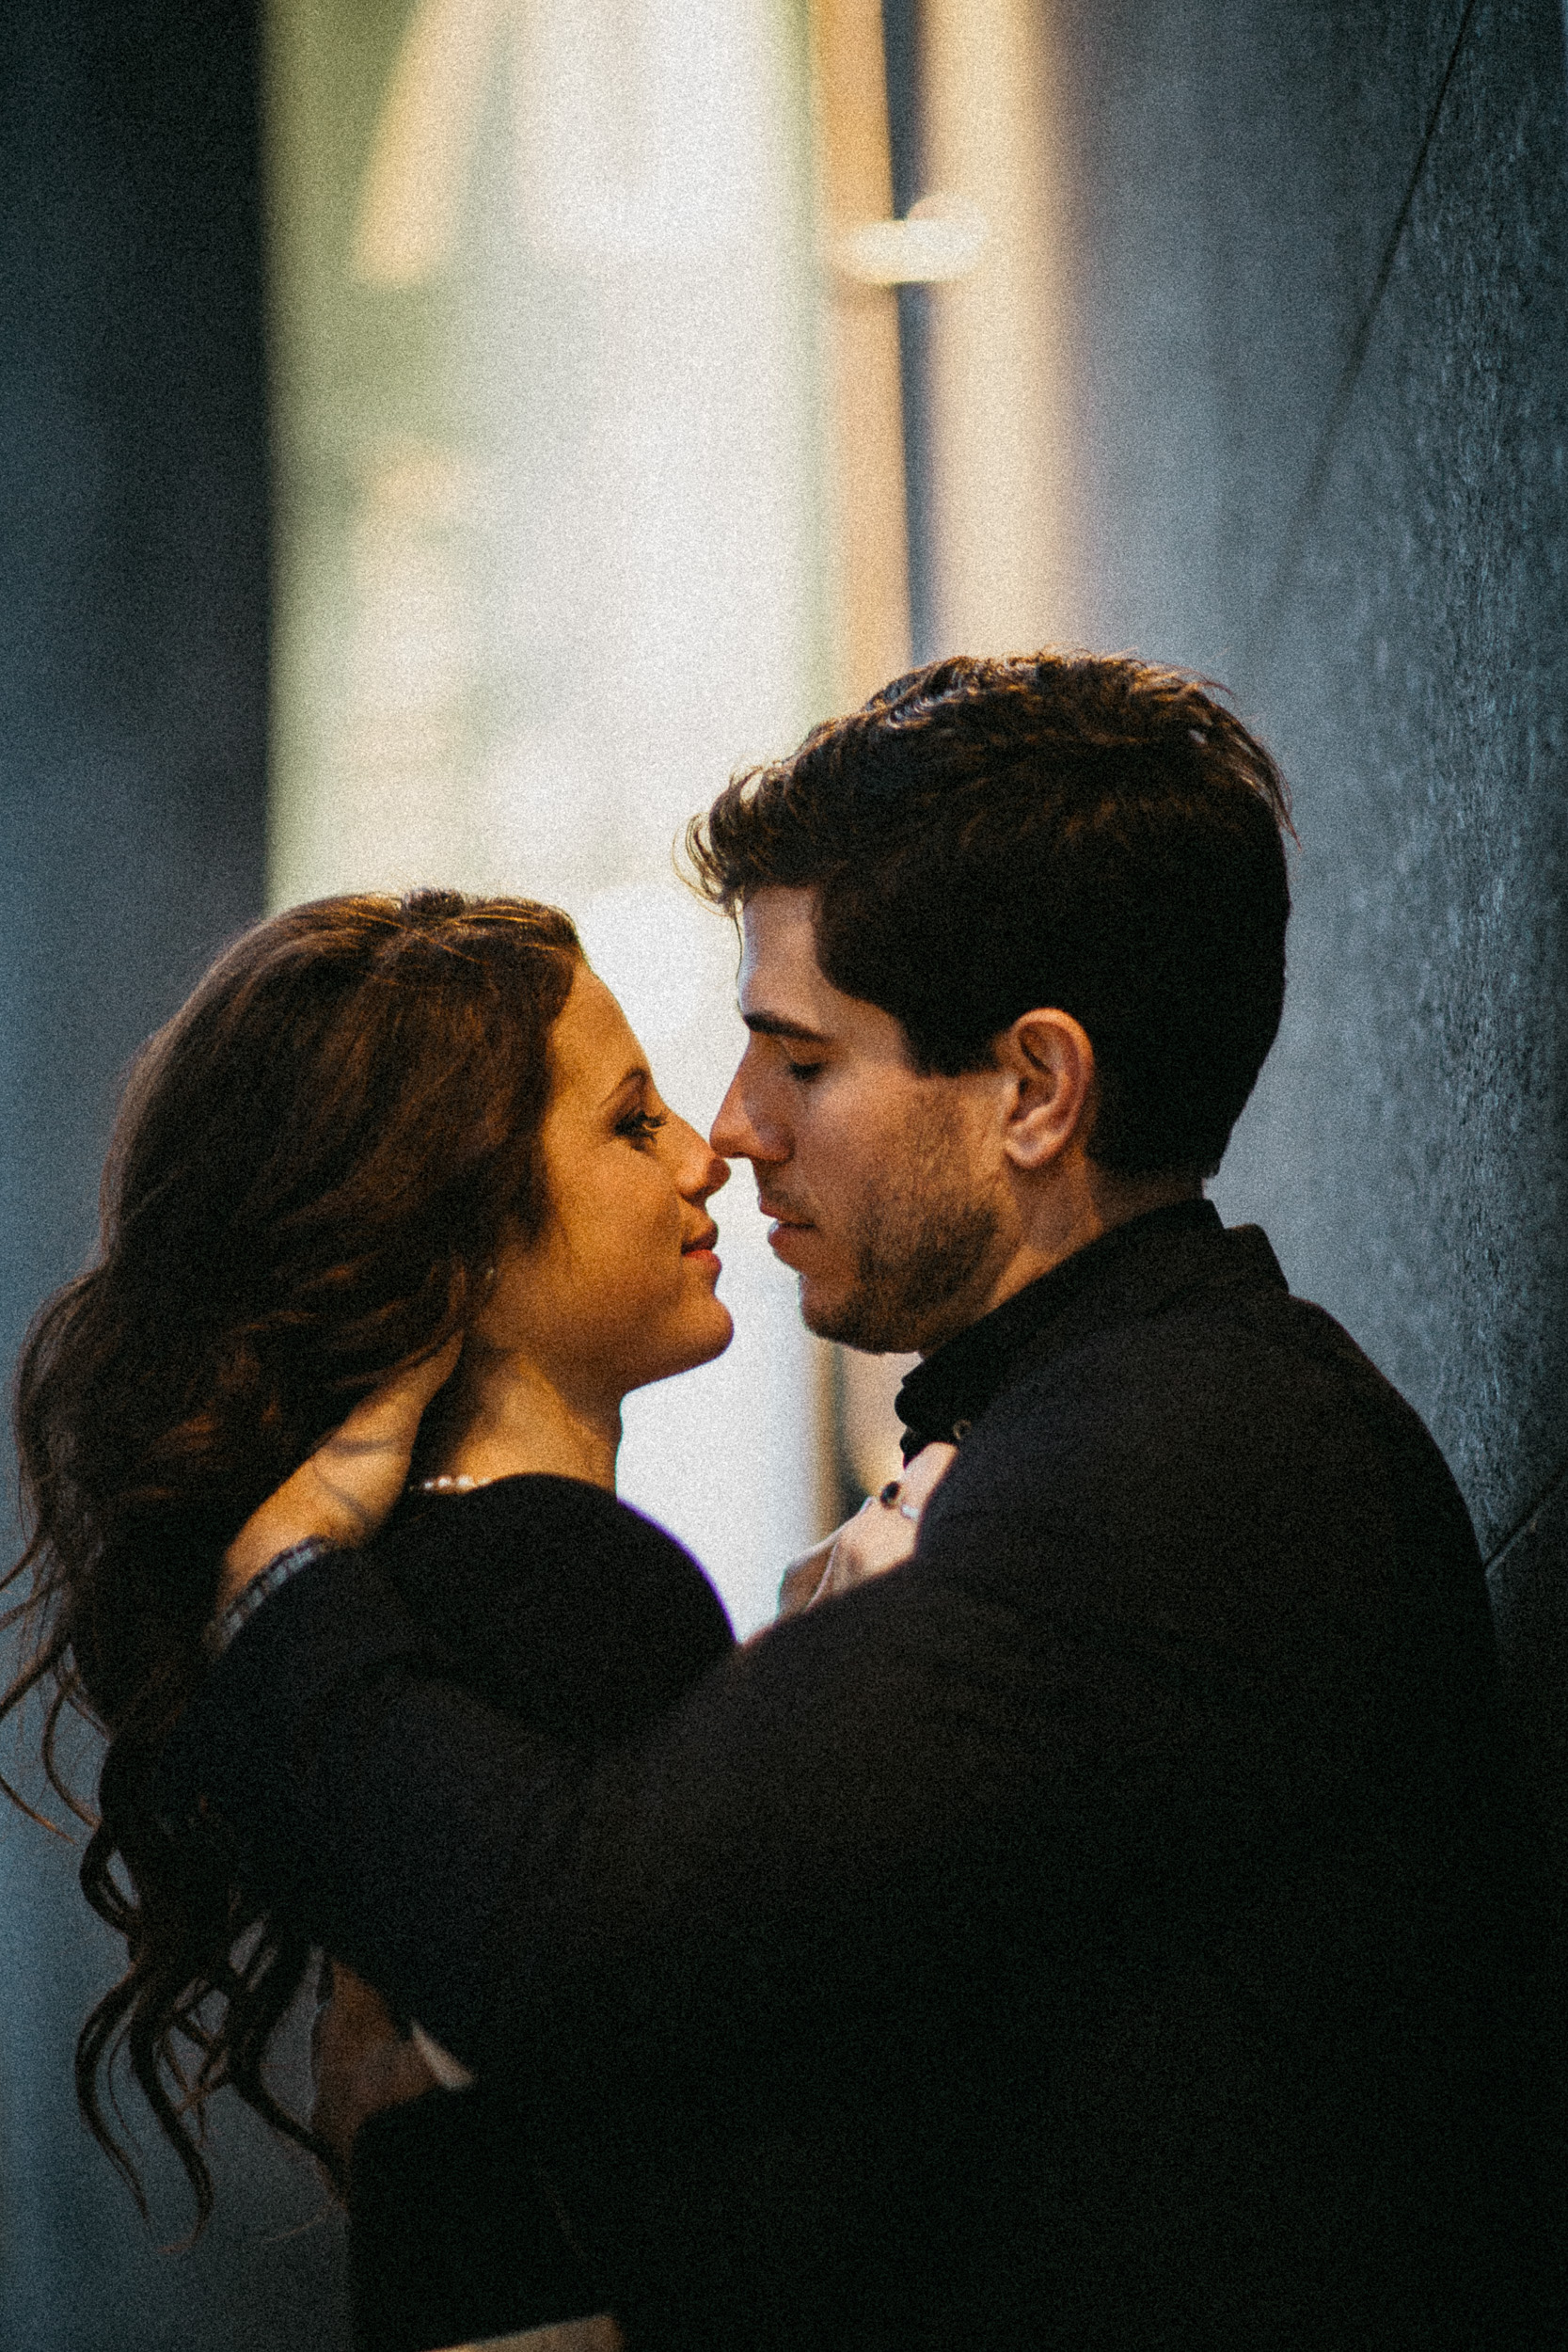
{"points": [[558, 1601]]}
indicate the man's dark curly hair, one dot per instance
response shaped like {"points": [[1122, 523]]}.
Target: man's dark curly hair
{"points": [[1083, 830]]}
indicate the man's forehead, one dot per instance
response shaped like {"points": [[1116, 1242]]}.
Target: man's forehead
{"points": [[784, 990], [778, 957]]}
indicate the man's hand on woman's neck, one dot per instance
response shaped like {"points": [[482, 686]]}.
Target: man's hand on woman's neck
{"points": [[505, 1418], [348, 1487]]}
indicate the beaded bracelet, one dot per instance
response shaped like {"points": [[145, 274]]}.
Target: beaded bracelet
{"points": [[223, 1627]]}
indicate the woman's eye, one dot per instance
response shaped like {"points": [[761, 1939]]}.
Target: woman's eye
{"points": [[805, 1071], [641, 1126]]}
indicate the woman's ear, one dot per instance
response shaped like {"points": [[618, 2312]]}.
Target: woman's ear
{"points": [[1048, 1055]]}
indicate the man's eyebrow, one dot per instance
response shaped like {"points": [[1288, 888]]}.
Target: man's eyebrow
{"points": [[774, 1025]]}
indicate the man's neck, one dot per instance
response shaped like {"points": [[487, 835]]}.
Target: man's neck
{"points": [[1080, 1205]]}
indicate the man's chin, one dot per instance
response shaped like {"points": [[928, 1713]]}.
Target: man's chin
{"points": [[875, 1327]]}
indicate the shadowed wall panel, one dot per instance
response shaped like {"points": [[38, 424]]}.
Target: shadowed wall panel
{"points": [[1419, 684], [1239, 171], [1322, 295], [132, 688]]}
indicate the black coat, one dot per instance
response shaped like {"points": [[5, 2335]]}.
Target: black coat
{"points": [[1114, 1930], [586, 1622]]}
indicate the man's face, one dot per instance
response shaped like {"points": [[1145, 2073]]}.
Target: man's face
{"points": [[888, 1187]]}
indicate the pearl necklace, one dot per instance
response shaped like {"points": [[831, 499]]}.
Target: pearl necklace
{"points": [[458, 1482]]}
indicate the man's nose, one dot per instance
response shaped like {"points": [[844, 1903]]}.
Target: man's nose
{"points": [[735, 1133]]}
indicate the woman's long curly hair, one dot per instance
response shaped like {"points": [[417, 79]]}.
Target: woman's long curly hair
{"points": [[313, 1165]]}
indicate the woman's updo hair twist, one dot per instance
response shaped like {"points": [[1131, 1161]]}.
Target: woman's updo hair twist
{"points": [[312, 1166]]}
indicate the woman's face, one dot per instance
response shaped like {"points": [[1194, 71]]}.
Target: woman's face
{"points": [[618, 1288]]}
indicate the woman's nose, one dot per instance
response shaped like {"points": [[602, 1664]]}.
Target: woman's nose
{"points": [[703, 1172]]}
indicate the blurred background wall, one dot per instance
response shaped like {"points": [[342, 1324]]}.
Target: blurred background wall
{"points": [[599, 394], [543, 330], [134, 656]]}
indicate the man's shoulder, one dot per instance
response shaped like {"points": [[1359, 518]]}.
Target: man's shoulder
{"points": [[1227, 1415], [1249, 1352]]}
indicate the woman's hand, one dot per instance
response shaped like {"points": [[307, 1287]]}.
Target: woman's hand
{"points": [[882, 1535], [349, 1485]]}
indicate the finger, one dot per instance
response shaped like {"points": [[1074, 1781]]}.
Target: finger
{"points": [[868, 1547], [925, 1473], [802, 1577], [354, 1465], [345, 1489], [396, 1406]]}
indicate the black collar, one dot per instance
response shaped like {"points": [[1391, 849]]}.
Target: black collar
{"points": [[1126, 1271]]}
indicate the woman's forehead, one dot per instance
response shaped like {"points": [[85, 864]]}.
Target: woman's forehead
{"points": [[593, 1047]]}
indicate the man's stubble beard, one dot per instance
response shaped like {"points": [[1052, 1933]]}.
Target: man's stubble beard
{"points": [[921, 1241]]}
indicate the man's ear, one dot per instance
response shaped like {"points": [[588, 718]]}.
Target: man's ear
{"points": [[1049, 1057]]}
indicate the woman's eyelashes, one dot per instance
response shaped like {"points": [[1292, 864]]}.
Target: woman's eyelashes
{"points": [[805, 1071], [641, 1126]]}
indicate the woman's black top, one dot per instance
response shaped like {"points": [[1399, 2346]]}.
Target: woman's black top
{"points": [[580, 1618]]}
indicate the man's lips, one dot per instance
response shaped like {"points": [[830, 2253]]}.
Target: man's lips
{"points": [[700, 1244], [786, 1233], [785, 1218]]}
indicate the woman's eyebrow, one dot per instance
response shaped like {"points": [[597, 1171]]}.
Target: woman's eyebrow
{"points": [[638, 1074]]}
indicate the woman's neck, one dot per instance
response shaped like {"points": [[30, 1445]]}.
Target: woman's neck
{"points": [[509, 1419]]}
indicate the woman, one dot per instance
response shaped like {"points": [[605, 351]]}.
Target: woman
{"points": [[378, 1133]]}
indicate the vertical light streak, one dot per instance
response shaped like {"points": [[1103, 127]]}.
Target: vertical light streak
{"points": [[413, 183], [868, 537], [1001, 381], [1003, 546], [867, 520]]}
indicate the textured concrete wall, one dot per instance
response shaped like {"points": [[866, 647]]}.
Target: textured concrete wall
{"points": [[133, 682], [1324, 261]]}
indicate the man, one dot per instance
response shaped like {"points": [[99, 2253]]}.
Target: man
{"points": [[1112, 1929]]}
